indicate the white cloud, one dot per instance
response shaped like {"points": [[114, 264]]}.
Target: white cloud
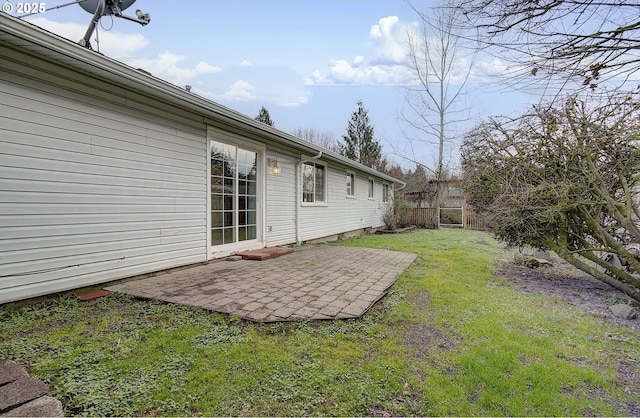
{"points": [[240, 87], [167, 67], [493, 67], [342, 72], [112, 43], [496, 70], [276, 85], [389, 67], [389, 38], [126, 48], [240, 90], [298, 100]]}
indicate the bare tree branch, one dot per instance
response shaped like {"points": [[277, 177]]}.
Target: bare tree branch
{"points": [[591, 41], [564, 178], [441, 74]]}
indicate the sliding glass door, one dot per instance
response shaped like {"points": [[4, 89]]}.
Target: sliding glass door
{"points": [[234, 188]]}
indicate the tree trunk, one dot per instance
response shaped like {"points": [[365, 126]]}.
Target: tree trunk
{"points": [[565, 254]]}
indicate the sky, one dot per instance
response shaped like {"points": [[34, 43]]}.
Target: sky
{"points": [[308, 62]]}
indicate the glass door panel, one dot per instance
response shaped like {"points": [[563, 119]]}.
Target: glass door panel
{"points": [[234, 173]]}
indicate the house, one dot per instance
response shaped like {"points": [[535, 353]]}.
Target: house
{"points": [[108, 172], [424, 195]]}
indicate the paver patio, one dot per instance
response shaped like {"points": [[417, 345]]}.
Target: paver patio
{"points": [[315, 282]]}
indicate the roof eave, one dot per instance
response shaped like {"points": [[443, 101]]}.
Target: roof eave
{"points": [[54, 46]]}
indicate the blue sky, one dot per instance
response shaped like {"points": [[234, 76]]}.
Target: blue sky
{"points": [[307, 61]]}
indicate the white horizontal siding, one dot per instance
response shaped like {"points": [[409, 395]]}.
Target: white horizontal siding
{"points": [[34, 185], [75, 276], [342, 213], [96, 182], [281, 201]]}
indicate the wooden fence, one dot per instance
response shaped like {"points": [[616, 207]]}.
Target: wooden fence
{"points": [[428, 218], [473, 221], [425, 218]]}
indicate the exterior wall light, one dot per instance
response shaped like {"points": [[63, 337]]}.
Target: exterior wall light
{"points": [[273, 165]]}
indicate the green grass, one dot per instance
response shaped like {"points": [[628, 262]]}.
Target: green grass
{"points": [[450, 339]]}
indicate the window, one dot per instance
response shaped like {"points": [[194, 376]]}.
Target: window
{"points": [[370, 188], [385, 193], [313, 183], [351, 184]]}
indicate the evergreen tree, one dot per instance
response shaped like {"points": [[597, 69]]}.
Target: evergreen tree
{"points": [[358, 143], [264, 117]]}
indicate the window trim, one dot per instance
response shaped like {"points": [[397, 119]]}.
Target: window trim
{"points": [[386, 193], [260, 149], [350, 191], [323, 202], [371, 188]]}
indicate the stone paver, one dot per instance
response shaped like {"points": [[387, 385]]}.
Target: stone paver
{"points": [[10, 372], [24, 396], [21, 391], [44, 406], [315, 282]]}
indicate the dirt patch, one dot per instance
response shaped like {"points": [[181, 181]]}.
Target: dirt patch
{"points": [[565, 282], [397, 231], [424, 339]]}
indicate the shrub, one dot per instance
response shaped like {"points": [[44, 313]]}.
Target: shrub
{"points": [[451, 216], [398, 215]]}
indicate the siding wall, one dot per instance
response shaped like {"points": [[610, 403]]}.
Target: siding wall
{"points": [[342, 214], [99, 182], [281, 200], [96, 182]]}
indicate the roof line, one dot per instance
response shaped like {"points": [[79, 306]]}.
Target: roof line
{"points": [[175, 95]]}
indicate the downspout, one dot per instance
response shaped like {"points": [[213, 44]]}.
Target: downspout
{"points": [[86, 41], [299, 192]]}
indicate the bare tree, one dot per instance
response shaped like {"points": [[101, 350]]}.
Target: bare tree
{"points": [[434, 103], [589, 40], [322, 138], [564, 178]]}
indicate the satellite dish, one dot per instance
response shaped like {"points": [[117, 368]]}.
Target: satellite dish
{"points": [[99, 8], [91, 6]]}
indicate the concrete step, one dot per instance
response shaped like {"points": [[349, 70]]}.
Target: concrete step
{"points": [[265, 253]]}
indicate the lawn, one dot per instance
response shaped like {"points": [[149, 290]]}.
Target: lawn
{"points": [[449, 339]]}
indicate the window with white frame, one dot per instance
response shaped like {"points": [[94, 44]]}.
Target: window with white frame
{"points": [[386, 195], [313, 182], [371, 188], [351, 184]]}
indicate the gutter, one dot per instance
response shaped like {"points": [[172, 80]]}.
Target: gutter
{"points": [[299, 192]]}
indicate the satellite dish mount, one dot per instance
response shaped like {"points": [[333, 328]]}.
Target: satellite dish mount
{"points": [[101, 8]]}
